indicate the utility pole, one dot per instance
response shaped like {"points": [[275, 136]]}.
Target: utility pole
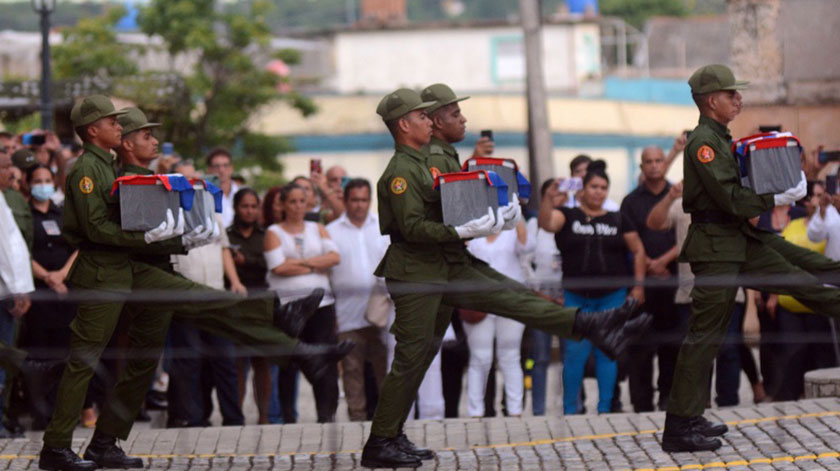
{"points": [[540, 160], [44, 8]]}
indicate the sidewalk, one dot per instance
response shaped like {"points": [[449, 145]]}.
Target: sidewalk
{"points": [[792, 435]]}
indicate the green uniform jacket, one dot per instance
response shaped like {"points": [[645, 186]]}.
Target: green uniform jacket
{"points": [[712, 182], [22, 214], [410, 212], [92, 224]]}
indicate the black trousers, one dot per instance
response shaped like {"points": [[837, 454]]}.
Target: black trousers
{"points": [[200, 362], [320, 328], [665, 339]]}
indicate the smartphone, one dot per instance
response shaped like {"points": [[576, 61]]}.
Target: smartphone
{"points": [[30, 139], [167, 148], [488, 133], [345, 181], [315, 166], [570, 185], [826, 156], [831, 184], [770, 128], [687, 133]]}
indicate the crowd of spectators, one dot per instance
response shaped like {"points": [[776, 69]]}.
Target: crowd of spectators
{"points": [[318, 231]]}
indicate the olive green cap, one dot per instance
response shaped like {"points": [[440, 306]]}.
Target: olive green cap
{"points": [[713, 78], [399, 103], [92, 108], [441, 94], [134, 120], [23, 159]]}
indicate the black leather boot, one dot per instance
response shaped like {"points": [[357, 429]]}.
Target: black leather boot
{"points": [[291, 317], [63, 459], [707, 428], [610, 330], [680, 436], [315, 360], [103, 450], [405, 445], [381, 452]]}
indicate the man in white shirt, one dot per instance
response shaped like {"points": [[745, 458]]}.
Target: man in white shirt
{"points": [[825, 226], [361, 246], [220, 163]]}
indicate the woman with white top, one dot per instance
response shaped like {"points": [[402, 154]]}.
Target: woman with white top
{"points": [[502, 252], [299, 255]]}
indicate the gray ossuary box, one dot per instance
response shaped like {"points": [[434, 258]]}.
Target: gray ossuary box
{"points": [[143, 207], [507, 171], [772, 170], [464, 198]]}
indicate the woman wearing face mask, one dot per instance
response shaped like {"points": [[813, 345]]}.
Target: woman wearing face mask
{"points": [[46, 332], [595, 243]]}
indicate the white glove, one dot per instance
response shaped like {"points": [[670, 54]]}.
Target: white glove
{"points": [[201, 236], [167, 229], [480, 227], [792, 195], [511, 214]]}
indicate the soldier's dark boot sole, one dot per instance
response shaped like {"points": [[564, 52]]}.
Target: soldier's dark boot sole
{"points": [[375, 463], [690, 443]]}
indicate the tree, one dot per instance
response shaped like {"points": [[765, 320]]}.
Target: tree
{"points": [[636, 12], [212, 103], [226, 87]]}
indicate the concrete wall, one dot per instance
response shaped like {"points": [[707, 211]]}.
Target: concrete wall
{"points": [[476, 59]]}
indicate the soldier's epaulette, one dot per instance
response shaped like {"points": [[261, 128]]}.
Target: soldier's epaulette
{"points": [[435, 149]]}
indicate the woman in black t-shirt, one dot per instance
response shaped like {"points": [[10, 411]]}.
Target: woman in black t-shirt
{"points": [[594, 243]]}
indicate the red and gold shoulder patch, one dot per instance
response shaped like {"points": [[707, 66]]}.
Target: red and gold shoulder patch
{"points": [[398, 185], [705, 154], [86, 185], [435, 172]]}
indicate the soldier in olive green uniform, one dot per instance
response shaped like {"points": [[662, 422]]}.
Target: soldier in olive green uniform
{"points": [[106, 266], [421, 274], [721, 243]]}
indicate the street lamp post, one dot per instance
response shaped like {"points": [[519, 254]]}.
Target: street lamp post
{"points": [[44, 8]]}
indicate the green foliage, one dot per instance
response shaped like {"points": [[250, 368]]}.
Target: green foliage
{"points": [[636, 12], [226, 87], [76, 56]]}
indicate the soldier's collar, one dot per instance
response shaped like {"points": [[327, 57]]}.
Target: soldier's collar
{"points": [[103, 154], [443, 146], [410, 151], [131, 169], [716, 126]]}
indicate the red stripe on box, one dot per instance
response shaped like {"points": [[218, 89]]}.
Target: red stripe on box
{"points": [[462, 176], [489, 161]]}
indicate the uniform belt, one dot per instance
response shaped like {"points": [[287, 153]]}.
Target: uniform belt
{"points": [[713, 217]]}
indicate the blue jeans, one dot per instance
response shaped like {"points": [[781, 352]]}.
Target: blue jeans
{"points": [[577, 352], [275, 405], [541, 354], [728, 360]]}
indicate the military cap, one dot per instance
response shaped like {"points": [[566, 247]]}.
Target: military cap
{"points": [[441, 94], [23, 159], [134, 120], [91, 109], [399, 103], [713, 78]]}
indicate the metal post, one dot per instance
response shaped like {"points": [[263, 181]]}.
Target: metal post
{"points": [[539, 135], [46, 76]]}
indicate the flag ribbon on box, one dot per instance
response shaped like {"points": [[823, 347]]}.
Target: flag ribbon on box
{"points": [[523, 185], [213, 190]]}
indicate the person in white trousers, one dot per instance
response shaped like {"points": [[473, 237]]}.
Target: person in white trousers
{"points": [[502, 252]]}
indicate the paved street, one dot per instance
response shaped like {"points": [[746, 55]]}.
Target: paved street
{"points": [[793, 435]]}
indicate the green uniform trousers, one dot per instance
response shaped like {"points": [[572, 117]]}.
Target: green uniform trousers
{"points": [[423, 315], [246, 321], [711, 309]]}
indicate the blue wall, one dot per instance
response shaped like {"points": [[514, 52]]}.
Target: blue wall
{"points": [[648, 90]]}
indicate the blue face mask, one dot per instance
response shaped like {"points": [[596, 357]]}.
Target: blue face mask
{"points": [[43, 191]]}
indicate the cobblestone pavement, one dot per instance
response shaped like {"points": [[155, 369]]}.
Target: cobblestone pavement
{"points": [[791, 435]]}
